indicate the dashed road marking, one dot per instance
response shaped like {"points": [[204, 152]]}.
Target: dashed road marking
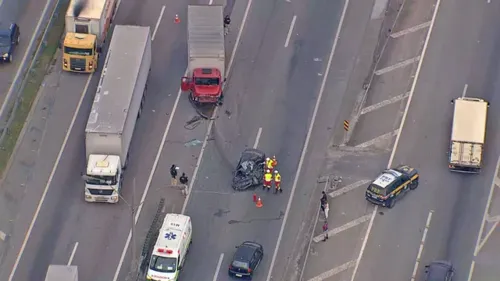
{"points": [[378, 139], [3, 236], [411, 29], [384, 103], [219, 264], [464, 92], [72, 254], [348, 188], [422, 244], [397, 65], [158, 23], [343, 228], [332, 272], [289, 35], [257, 139]]}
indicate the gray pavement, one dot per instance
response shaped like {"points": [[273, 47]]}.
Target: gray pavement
{"points": [[26, 14]]}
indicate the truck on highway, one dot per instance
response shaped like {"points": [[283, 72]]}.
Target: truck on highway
{"points": [[206, 54], [117, 105], [87, 23], [468, 135], [62, 273]]}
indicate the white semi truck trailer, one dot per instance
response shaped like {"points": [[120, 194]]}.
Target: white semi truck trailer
{"points": [[117, 106]]}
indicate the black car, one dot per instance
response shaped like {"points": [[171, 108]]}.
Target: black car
{"points": [[439, 271], [9, 39], [392, 185], [246, 260], [250, 169]]}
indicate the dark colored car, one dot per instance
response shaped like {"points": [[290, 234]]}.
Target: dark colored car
{"points": [[246, 260], [392, 185], [9, 39], [250, 169], [439, 271]]}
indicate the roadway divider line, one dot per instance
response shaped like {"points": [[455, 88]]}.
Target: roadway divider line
{"points": [[348, 188], [162, 144], [217, 269], [334, 271], [422, 244], [343, 228], [72, 256], [308, 138], [158, 23], [290, 30], [257, 139], [396, 142]]}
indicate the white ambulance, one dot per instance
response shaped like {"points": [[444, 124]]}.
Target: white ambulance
{"points": [[171, 248]]}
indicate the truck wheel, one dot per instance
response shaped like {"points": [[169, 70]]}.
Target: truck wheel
{"points": [[414, 185], [126, 163]]}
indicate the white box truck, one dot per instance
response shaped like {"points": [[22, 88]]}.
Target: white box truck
{"points": [[206, 54], [468, 135], [62, 273], [117, 105], [86, 24]]}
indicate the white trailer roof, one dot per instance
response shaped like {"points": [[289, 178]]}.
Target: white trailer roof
{"points": [[118, 79], [92, 9], [469, 120], [62, 272], [205, 31]]}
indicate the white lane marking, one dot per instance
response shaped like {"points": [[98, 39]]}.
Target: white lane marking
{"points": [[397, 65], [422, 244], [10, 92], [158, 23], [308, 137], [486, 209], [52, 173], [378, 139], [348, 188], [290, 30], [343, 228], [256, 143], [393, 153], [211, 2], [411, 29], [471, 271], [332, 272], [3, 235], [72, 254], [492, 218], [164, 138], [464, 92], [1, 2], [210, 125], [489, 1], [384, 103], [219, 264]]}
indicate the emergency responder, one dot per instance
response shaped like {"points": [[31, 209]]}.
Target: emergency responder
{"points": [[277, 182], [269, 164], [268, 178], [274, 162]]}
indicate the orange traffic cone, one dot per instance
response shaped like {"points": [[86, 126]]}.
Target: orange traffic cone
{"points": [[259, 203], [176, 19]]}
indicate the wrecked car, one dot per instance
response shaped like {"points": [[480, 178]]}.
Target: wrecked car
{"points": [[250, 169]]}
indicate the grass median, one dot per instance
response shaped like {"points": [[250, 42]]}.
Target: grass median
{"points": [[34, 79]]}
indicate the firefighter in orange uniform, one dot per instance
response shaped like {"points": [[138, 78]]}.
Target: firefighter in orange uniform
{"points": [[274, 162], [277, 182], [268, 178]]}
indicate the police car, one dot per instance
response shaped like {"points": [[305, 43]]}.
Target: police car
{"points": [[171, 248], [391, 185]]}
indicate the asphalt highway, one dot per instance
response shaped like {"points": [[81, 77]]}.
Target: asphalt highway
{"points": [[462, 50], [26, 14]]}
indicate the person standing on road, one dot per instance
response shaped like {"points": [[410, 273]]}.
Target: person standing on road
{"points": [[173, 174], [277, 182], [269, 165], [227, 22], [325, 231], [184, 181], [268, 178], [274, 162], [324, 201]]}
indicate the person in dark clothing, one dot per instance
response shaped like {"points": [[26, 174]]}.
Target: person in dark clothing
{"points": [[324, 201], [173, 174], [183, 179], [227, 21]]}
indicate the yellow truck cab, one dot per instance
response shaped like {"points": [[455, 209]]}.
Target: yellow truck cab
{"points": [[80, 52], [86, 25]]}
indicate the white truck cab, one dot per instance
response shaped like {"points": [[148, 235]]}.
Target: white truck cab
{"points": [[171, 248], [104, 178]]}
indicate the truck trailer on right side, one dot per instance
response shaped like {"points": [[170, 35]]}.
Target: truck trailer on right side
{"points": [[468, 135]]}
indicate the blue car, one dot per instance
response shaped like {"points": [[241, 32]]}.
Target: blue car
{"points": [[9, 39]]}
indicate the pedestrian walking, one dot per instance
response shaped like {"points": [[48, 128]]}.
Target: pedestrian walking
{"points": [[173, 174], [269, 165], [325, 231], [274, 162], [184, 181], [324, 201], [277, 182], [227, 22], [268, 178]]}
